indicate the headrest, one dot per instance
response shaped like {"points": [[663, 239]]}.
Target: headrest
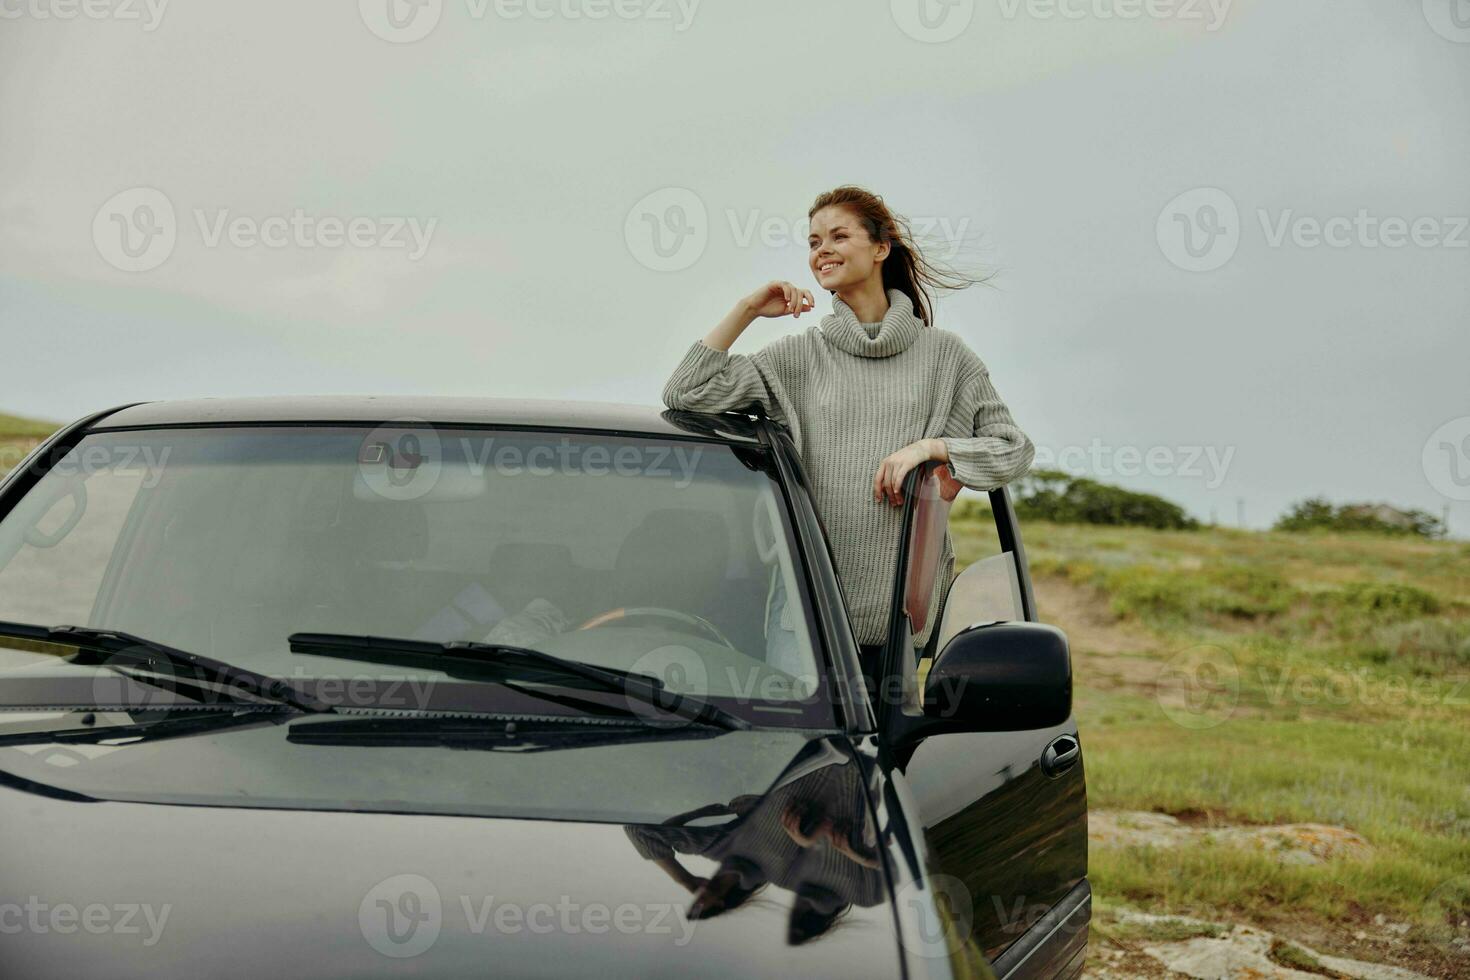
{"points": [[677, 540]]}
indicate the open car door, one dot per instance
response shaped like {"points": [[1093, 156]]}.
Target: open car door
{"points": [[1003, 808]]}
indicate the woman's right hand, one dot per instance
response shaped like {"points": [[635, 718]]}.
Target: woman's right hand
{"points": [[778, 298]]}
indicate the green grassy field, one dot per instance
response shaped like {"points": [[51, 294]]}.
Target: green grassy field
{"points": [[1241, 678], [17, 436]]}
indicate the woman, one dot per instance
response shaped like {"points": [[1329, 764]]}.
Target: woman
{"points": [[873, 393]]}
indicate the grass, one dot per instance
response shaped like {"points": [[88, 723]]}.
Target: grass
{"points": [[17, 437], [1338, 692]]}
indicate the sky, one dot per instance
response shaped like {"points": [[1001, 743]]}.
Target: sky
{"points": [[1228, 240]]}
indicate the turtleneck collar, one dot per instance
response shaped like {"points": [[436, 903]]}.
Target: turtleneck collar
{"points": [[898, 330]]}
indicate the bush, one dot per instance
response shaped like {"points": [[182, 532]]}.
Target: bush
{"points": [[1237, 591], [1385, 601], [1317, 513], [1053, 495], [1435, 641], [1144, 592]]}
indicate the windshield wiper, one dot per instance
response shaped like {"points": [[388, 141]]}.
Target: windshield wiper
{"points": [[184, 725], [485, 734], [503, 663], [126, 649]]}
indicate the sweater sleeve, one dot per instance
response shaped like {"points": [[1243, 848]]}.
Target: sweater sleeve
{"points": [[712, 380], [997, 452]]}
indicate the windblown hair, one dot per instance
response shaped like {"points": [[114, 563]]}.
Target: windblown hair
{"points": [[905, 268]]}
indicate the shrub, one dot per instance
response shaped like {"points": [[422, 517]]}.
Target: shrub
{"points": [[1316, 513], [1053, 495], [1385, 601], [1437, 641]]}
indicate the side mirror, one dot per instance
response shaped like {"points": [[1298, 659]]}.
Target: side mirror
{"points": [[998, 677]]}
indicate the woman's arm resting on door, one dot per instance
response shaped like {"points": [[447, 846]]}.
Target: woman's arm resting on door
{"points": [[711, 379], [998, 452]]}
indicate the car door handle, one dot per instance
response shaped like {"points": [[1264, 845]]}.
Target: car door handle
{"points": [[1061, 754]]}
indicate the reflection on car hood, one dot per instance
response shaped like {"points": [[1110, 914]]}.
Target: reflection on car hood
{"points": [[747, 852]]}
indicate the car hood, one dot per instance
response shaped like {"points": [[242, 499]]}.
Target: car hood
{"points": [[580, 860]]}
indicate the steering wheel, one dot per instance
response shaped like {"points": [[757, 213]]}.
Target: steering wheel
{"points": [[683, 618]]}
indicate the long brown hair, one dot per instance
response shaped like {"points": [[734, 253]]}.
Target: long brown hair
{"points": [[905, 268]]}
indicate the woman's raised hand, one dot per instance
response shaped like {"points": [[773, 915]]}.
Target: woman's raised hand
{"points": [[779, 298]]}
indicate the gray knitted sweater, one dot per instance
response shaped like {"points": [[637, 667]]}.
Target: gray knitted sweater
{"points": [[851, 393]]}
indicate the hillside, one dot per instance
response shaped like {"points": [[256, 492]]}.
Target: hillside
{"points": [[1277, 743], [18, 436]]}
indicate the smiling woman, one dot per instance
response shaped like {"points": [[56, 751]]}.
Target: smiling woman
{"points": [[871, 393]]}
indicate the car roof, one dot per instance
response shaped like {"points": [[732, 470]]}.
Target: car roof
{"points": [[623, 417]]}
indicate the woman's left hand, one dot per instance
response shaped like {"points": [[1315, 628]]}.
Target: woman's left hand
{"points": [[888, 481]]}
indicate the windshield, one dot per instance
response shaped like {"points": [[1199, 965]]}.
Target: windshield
{"points": [[654, 556]]}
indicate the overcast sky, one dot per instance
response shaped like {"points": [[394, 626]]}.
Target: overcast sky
{"points": [[1230, 238]]}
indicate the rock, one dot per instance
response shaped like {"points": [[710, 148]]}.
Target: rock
{"points": [[1245, 952], [1297, 843]]}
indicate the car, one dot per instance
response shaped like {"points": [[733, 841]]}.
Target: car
{"points": [[349, 686]]}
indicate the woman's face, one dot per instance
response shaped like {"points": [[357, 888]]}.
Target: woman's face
{"points": [[840, 253]]}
